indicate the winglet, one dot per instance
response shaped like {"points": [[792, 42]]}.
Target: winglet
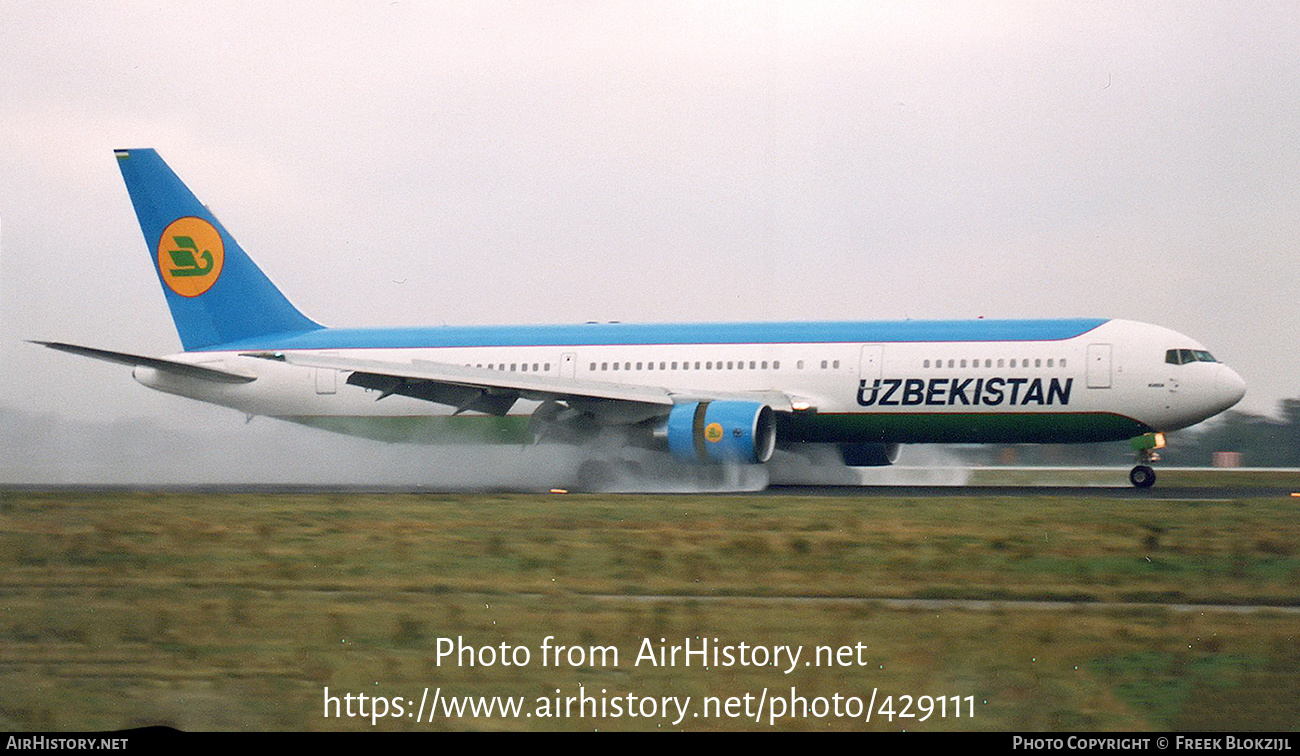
{"points": [[215, 291]]}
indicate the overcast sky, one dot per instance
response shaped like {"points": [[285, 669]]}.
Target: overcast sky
{"points": [[426, 163]]}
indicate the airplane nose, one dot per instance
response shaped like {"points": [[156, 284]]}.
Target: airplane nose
{"points": [[1231, 388]]}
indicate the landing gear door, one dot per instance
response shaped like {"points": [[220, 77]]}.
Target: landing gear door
{"points": [[1099, 366], [872, 363]]}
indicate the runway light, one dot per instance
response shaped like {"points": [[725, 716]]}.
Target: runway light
{"points": [[559, 490]]}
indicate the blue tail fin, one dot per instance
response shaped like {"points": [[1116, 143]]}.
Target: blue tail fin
{"points": [[216, 293]]}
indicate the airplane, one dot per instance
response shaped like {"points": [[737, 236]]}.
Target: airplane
{"points": [[705, 394]]}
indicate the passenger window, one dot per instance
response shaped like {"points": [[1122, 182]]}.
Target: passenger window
{"points": [[776, 365], [836, 364], [823, 364], [926, 363], [1051, 363]]}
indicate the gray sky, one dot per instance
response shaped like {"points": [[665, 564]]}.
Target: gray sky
{"points": [[428, 163]]}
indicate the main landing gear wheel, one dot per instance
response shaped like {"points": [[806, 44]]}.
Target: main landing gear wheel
{"points": [[1142, 476]]}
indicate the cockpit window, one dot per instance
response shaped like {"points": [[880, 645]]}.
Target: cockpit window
{"points": [[1184, 356]]}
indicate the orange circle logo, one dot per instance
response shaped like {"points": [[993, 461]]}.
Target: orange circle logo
{"points": [[713, 432], [190, 256]]}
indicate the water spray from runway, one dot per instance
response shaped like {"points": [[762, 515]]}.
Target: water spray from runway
{"points": [[221, 449], [820, 465]]}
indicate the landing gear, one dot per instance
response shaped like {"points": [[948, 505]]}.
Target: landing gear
{"points": [[1142, 476]]}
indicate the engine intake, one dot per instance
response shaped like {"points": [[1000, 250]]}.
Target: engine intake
{"points": [[723, 431]]}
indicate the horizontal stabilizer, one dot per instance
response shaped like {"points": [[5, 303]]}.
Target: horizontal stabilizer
{"points": [[167, 366]]}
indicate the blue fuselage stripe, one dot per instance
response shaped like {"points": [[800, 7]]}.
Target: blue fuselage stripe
{"points": [[620, 334]]}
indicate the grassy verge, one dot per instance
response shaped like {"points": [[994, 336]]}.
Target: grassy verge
{"points": [[227, 611]]}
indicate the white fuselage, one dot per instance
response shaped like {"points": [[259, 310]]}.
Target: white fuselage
{"points": [[1112, 381]]}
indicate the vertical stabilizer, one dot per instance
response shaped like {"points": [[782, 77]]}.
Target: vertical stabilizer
{"points": [[216, 293]]}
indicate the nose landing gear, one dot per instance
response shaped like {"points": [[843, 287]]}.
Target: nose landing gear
{"points": [[1146, 446], [1142, 476]]}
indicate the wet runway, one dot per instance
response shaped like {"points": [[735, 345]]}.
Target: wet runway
{"points": [[1171, 494], [1168, 494]]}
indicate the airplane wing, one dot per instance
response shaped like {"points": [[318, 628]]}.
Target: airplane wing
{"points": [[207, 373], [495, 391]]}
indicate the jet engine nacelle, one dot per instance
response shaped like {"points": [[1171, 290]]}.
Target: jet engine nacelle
{"points": [[869, 455], [722, 431]]}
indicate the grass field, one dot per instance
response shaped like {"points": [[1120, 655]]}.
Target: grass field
{"points": [[235, 611]]}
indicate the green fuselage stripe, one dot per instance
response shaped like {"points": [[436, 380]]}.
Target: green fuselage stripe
{"points": [[960, 428], [900, 428]]}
